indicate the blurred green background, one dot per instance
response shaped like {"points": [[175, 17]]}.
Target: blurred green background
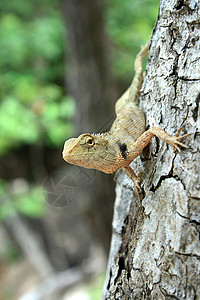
{"points": [[36, 110]]}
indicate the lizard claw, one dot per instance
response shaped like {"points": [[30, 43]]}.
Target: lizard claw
{"points": [[175, 140]]}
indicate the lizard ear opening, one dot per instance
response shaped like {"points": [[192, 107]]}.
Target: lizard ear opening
{"points": [[89, 141]]}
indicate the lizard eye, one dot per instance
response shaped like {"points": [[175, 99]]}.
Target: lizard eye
{"points": [[90, 141]]}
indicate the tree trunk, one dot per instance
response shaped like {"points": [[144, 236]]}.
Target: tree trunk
{"points": [[89, 81], [155, 247]]}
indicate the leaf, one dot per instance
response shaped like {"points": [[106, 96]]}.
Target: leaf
{"points": [[32, 203]]}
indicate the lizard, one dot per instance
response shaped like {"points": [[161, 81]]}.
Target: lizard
{"points": [[117, 148]]}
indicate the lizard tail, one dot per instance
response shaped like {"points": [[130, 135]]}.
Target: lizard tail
{"points": [[134, 90]]}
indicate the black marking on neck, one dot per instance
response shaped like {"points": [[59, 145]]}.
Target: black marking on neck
{"points": [[123, 150]]}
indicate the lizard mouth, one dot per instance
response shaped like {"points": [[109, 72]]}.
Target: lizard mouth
{"points": [[69, 144]]}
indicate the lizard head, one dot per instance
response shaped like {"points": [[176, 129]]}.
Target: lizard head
{"points": [[92, 151]]}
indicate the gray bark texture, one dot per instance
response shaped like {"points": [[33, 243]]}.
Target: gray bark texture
{"points": [[155, 249]]}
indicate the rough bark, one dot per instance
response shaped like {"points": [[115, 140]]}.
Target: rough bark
{"points": [[155, 251], [89, 81]]}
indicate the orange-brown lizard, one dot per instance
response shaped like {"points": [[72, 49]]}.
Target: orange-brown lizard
{"points": [[116, 149]]}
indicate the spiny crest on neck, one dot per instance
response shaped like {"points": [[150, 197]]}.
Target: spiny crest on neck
{"points": [[104, 135]]}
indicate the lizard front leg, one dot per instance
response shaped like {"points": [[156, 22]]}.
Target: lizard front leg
{"points": [[136, 179]]}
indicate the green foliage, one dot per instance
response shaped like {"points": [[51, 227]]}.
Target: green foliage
{"points": [[95, 289], [34, 108], [21, 123], [33, 104], [129, 24], [17, 123], [28, 202]]}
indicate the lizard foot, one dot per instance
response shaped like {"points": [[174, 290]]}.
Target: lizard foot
{"points": [[174, 140]]}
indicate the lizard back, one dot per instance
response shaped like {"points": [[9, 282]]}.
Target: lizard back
{"points": [[129, 124]]}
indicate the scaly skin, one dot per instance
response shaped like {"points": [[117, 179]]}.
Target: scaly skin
{"points": [[116, 149]]}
